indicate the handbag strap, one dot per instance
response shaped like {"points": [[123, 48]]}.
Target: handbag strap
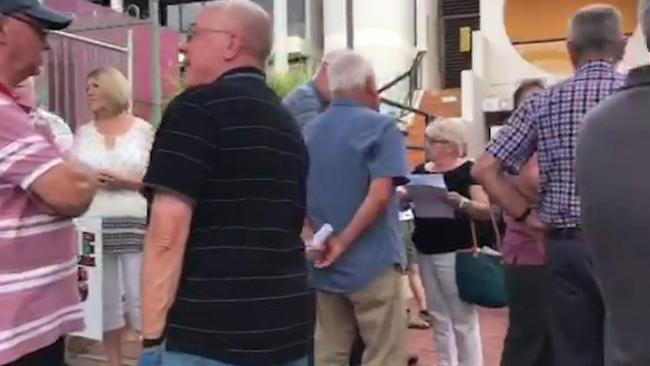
{"points": [[475, 247], [495, 227]]}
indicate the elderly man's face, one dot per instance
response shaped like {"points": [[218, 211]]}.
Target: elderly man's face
{"points": [[209, 47], [24, 41]]}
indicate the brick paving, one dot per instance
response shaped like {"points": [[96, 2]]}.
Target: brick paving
{"points": [[493, 328]]}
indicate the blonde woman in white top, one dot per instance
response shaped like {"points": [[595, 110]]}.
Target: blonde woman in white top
{"points": [[116, 144]]}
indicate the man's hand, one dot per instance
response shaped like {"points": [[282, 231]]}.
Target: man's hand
{"points": [[533, 221], [111, 180], [334, 248]]}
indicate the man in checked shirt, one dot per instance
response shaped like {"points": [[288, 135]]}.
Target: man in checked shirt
{"points": [[549, 124]]}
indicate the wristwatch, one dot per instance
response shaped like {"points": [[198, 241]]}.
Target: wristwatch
{"points": [[524, 216], [149, 343]]}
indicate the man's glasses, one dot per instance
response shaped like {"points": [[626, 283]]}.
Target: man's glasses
{"points": [[194, 30]]}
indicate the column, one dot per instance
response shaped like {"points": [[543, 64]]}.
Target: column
{"points": [[280, 37], [428, 39], [334, 25], [384, 32]]}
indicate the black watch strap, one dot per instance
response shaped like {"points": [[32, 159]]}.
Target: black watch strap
{"points": [[149, 343], [522, 217]]}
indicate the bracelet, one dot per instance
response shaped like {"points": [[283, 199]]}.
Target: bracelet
{"points": [[149, 343]]}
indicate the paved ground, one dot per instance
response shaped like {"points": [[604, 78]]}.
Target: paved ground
{"points": [[493, 327]]}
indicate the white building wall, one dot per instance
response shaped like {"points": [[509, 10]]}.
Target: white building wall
{"points": [[334, 25], [505, 68], [428, 39], [384, 32]]}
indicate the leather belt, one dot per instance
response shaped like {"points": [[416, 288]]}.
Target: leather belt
{"points": [[565, 233]]}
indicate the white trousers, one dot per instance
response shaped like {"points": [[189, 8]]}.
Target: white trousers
{"points": [[121, 280], [455, 323]]}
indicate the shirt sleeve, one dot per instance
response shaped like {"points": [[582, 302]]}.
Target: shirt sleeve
{"points": [[180, 156], [25, 155], [517, 140], [387, 155]]}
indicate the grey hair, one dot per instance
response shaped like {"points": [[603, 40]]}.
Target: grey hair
{"points": [[596, 28], [334, 55], [453, 130], [350, 70], [644, 19]]}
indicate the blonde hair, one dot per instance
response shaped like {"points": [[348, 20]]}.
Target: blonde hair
{"points": [[114, 86], [449, 129]]}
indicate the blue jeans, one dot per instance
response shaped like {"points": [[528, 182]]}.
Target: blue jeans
{"points": [[183, 359]]}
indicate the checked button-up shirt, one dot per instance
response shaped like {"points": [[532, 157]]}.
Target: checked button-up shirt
{"points": [[549, 123]]}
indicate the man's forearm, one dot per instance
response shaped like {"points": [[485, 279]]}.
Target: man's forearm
{"points": [[164, 250], [373, 206], [160, 276], [504, 193]]}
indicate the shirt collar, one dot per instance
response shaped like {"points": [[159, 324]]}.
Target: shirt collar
{"points": [[596, 66], [243, 72], [8, 92], [638, 76], [343, 102]]}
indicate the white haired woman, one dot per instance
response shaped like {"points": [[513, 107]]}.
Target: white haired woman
{"points": [[117, 145], [455, 323]]}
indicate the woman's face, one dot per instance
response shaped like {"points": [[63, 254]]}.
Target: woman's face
{"points": [[96, 98], [438, 148]]}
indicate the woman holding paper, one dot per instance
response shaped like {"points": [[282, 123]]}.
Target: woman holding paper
{"points": [[455, 323]]}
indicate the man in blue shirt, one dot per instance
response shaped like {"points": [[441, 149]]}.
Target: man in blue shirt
{"points": [[357, 158]]}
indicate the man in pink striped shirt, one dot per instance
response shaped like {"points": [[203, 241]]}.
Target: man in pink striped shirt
{"points": [[39, 194]]}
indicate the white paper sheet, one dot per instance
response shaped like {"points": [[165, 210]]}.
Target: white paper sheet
{"points": [[428, 193]]}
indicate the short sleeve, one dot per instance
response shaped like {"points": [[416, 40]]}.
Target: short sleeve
{"points": [[517, 140], [25, 155], [387, 156], [180, 156], [144, 142]]}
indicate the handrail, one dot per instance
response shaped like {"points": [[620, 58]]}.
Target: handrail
{"points": [[428, 117], [412, 74], [414, 67]]}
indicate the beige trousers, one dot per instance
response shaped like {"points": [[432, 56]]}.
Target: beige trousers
{"points": [[378, 311]]}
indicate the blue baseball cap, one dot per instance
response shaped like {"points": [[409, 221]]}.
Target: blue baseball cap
{"points": [[44, 16]]}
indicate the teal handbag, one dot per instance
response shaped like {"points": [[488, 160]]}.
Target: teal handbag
{"points": [[480, 275]]}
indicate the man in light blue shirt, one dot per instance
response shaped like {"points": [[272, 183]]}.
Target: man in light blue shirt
{"points": [[357, 158]]}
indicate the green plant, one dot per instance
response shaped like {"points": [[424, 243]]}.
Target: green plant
{"points": [[285, 83]]}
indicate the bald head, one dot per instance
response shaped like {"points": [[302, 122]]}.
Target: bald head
{"points": [[249, 21], [227, 35]]}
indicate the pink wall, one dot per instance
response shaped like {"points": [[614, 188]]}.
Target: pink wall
{"points": [[89, 15]]}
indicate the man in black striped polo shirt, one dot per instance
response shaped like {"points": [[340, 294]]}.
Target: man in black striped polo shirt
{"points": [[227, 186]]}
